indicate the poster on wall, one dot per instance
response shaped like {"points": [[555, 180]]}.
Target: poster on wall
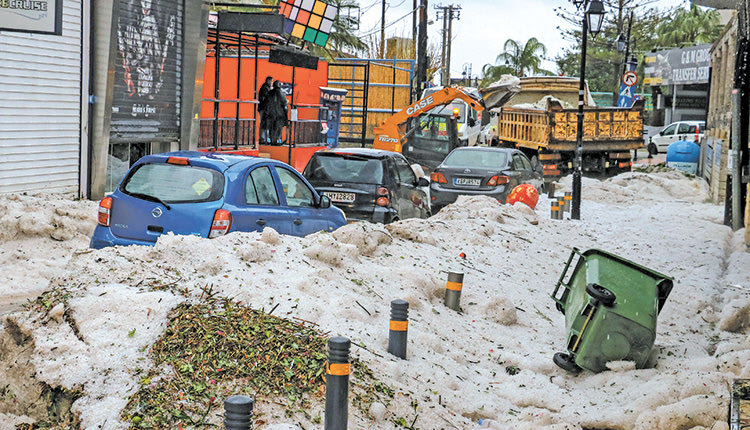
{"points": [[146, 92], [31, 16]]}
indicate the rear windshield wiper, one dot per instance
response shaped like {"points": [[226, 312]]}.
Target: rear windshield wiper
{"points": [[150, 198]]}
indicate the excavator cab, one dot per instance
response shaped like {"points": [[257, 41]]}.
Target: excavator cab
{"points": [[430, 138]]}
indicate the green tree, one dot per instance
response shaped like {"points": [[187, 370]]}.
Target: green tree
{"points": [[521, 59], [688, 27]]}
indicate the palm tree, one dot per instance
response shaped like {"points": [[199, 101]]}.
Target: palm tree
{"points": [[523, 59], [688, 27], [343, 37]]}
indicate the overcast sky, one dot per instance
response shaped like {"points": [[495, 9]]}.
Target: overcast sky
{"points": [[483, 27]]}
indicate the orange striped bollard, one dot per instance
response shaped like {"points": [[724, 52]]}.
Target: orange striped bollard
{"points": [[554, 210], [568, 200], [399, 327], [337, 384], [453, 290]]}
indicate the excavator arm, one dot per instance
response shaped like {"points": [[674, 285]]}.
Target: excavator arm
{"points": [[391, 134]]}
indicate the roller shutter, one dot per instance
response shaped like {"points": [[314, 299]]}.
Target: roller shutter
{"points": [[40, 112]]}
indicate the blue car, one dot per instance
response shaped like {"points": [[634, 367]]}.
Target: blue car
{"points": [[210, 195]]}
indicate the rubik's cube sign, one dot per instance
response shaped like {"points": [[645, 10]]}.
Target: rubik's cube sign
{"points": [[309, 20]]}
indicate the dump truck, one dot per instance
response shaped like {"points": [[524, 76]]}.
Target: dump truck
{"points": [[541, 120]]}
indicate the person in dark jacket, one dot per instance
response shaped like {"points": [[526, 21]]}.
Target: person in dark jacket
{"points": [[277, 111], [265, 89]]}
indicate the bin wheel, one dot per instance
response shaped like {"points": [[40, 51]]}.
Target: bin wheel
{"points": [[565, 362], [605, 297]]}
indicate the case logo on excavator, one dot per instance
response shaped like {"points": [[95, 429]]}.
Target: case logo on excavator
{"points": [[418, 105]]}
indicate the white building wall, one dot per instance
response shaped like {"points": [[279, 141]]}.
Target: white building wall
{"points": [[40, 108]]}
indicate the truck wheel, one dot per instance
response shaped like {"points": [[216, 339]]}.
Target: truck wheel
{"points": [[566, 362], [605, 297]]}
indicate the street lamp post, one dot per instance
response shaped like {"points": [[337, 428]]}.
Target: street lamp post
{"points": [[592, 21]]}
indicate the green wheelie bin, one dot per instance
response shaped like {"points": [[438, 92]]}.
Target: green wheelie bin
{"points": [[610, 306]]}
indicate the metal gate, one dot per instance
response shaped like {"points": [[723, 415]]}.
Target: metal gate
{"points": [[378, 88]]}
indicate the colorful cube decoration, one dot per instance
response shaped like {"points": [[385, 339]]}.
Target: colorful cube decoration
{"points": [[309, 20]]}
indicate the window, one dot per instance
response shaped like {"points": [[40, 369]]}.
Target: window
{"points": [[490, 159], [297, 192], [260, 188], [686, 128], [174, 183], [344, 168], [669, 130], [520, 162], [405, 173]]}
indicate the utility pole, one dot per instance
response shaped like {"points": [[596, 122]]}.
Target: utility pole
{"points": [[448, 13], [422, 48], [451, 10], [382, 32]]}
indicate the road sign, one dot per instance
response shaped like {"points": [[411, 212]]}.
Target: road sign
{"points": [[629, 78]]}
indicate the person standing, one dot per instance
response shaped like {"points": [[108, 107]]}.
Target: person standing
{"points": [[263, 93], [277, 110]]}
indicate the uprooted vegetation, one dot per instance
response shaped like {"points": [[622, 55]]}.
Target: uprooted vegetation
{"points": [[220, 348]]}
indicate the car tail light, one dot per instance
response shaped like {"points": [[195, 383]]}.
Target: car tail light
{"points": [[498, 180], [549, 166], [625, 164], [383, 191], [382, 201], [221, 224], [438, 177], [105, 210], [178, 160]]}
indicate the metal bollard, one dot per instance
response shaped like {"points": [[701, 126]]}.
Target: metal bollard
{"points": [[399, 327], [561, 206], [238, 413], [568, 200], [337, 384], [554, 210], [453, 290]]}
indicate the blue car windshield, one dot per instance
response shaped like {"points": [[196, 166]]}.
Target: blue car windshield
{"points": [[476, 158], [173, 183], [345, 168]]}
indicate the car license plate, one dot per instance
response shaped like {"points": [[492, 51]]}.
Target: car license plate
{"points": [[466, 181], [341, 197]]}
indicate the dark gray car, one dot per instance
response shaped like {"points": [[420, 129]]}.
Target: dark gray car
{"points": [[478, 170], [369, 184]]}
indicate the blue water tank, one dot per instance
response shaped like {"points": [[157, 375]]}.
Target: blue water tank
{"points": [[684, 155]]}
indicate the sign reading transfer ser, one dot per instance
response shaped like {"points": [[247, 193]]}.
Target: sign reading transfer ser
{"points": [[678, 66], [31, 16]]}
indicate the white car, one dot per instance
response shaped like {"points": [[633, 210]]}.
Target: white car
{"points": [[681, 130]]}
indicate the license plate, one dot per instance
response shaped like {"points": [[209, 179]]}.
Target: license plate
{"points": [[341, 197], [466, 181]]}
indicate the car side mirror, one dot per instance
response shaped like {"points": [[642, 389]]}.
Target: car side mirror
{"points": [[325, 202], [423, 182]]}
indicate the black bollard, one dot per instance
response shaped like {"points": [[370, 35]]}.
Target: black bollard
{"points": [[399, 327], [337, 384], [453, 290], [238, 413], [551, 190]]}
